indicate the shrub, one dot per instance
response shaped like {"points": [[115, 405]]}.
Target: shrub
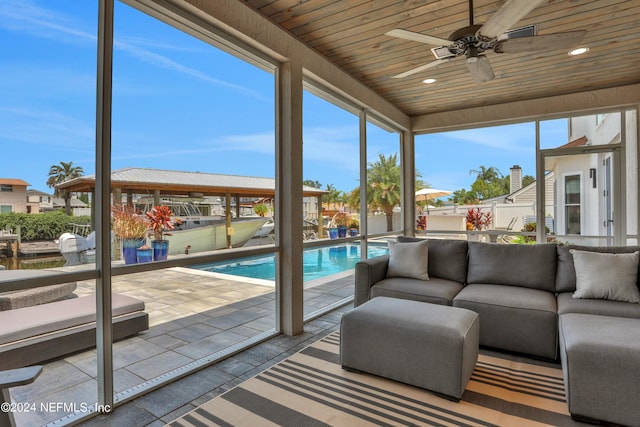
{"points": [[477, 219], [532, 227], [43, 226]]}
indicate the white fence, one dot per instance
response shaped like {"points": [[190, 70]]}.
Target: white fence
{"points": [[502, 214]]}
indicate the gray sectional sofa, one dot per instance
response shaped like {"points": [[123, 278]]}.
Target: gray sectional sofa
{"points": [[521, 294]]}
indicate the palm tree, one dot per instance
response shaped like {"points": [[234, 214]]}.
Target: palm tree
{"points": [[59, 174], [384, 186]]}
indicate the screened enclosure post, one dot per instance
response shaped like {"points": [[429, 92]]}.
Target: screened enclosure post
{"points": [[104, 332]]}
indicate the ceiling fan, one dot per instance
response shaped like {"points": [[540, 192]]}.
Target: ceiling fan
{"points": [[472, 41]]}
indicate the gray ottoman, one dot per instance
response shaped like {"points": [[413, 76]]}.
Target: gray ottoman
{"points": [[426, 345], [601, 366]]}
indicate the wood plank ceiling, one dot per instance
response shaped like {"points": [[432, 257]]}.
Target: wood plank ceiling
{"points": [[351, 33]]}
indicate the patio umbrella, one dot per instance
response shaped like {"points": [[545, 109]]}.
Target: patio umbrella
{"points": [[431, 193]]}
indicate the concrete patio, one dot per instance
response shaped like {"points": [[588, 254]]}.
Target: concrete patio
{"points": [[192, 315]]}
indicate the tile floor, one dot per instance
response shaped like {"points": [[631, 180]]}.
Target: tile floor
{"points": [[172, 401]]}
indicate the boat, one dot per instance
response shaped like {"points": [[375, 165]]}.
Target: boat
{"points": [[188, 237], [213, 236], [266, 229]]}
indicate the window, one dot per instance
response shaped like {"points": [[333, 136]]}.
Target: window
{"points": [[6, 188], [572, 203], [5, 209]]}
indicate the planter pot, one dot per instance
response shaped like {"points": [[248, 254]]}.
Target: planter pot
{"points": [[160, 249], [353, 232], [144, 255], [129, 247], [342, 231], [333, 233]]}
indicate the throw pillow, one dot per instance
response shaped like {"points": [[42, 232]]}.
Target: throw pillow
{"points": [[408, 260], [606, 276]]}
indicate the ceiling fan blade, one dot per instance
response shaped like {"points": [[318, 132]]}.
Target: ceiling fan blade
{"points": [[480, 69], [545, 42], [418, 37], [507, 16], [421, 68]]}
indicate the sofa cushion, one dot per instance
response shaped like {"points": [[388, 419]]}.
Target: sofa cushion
{"points": [[606, 276], [529, 266], [435, 291], [568, 304], [514, 318], [566, 271], [447, 258], [409, 259]]}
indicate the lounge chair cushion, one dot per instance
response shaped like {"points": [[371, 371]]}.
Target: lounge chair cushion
{"points": [[32, 321], [408, 260], [606, 276], [28, 297]]}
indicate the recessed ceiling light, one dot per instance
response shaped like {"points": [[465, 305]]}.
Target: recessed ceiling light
{"points": [[578, 51], [429, 81]]}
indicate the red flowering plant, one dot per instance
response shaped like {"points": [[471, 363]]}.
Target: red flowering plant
{"points": [[478, 220], [159, 220]]}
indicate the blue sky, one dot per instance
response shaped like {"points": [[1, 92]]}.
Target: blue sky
{"points": [[179, 103]]}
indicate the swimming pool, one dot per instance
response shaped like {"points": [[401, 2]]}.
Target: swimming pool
{"points": [[318, 262]]}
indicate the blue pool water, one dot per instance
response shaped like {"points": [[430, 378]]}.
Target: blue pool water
{"points": [[318, 262]]}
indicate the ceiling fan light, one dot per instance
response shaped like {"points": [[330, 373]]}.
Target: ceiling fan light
{"points": [[429, 81], [578, 51]]}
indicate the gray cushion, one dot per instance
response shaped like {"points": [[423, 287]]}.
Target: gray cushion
{"points": [[529, 266], [408, 260], [566, 272], [568, 304], [408, 341], [447, 258], [435, 291], [601, 367], [606, 276], [32, 321], [514, 318]]}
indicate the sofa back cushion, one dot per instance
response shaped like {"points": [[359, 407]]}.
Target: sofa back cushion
{"points": [[447, 258], [566, 271], [529, 266]]}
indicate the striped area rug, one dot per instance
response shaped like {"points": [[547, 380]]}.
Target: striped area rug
{"points": [[311, 389]]}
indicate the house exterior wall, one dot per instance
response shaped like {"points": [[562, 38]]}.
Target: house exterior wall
{"points": [[598, 206], [17, 198]]}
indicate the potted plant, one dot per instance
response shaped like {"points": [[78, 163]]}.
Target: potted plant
{"points": [[260, 209], [341, 220], [144, 254], [477, 220], [354, 227], [130, 228], [159, 221]]}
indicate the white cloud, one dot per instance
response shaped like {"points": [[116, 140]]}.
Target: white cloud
{"points": [[504, 138], [26, 17], [51, 128]]}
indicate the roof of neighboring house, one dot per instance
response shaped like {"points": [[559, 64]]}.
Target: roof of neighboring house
{"points": [[13, 181], [576, 142], [75, 203], [33, 192], [532, 185], [509, 197], [143, 180]]}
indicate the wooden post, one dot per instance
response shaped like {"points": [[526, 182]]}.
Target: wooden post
{"points": [[227, 202]]}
